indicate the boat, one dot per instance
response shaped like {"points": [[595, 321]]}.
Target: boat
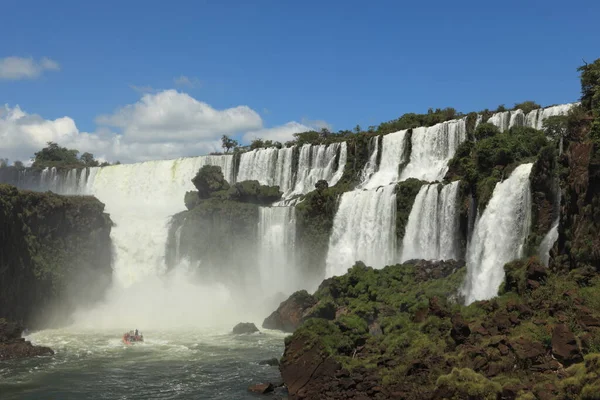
{"points": [[132, 337]]}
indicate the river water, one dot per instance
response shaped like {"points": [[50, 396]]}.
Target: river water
{"points": [[200, 363]]}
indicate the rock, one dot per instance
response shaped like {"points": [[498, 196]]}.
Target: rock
{"points": [[12, 345], [526, 350], [460, 329], [375, 329], [289, 314], [271, 361], [564, 345], [245, 327], [436, 308], [261, 388], [323, 309]]}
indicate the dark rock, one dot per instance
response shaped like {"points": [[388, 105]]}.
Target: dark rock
{"points": [[536, 272], [271, 361], [460, 329], [436, 308], [12, 345], [261, 388], [289, 314], [323, 309], [526, 350], [564, 345], [245, 327], [428, 270]]}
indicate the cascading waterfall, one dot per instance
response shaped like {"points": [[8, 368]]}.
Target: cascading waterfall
{"points": [[432, 148], [316, 163], [392, 155], [273, 166], [432, 226], [534, 119], [364, 228], [499, 235], [277, 237], [371, 165]]}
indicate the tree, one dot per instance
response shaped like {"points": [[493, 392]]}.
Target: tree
{"points": [[227, 143], [53, 155], [357, 129], [501, 108], [485, 130], [3, 162], [555, 126], [88, 160], [19, 164], [527, 106], [209, 179], [257, 144]]}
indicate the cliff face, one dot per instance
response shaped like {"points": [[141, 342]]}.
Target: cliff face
{"points": [[56, 254]]}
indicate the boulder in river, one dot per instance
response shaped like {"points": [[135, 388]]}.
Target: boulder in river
{"points": [[245, 327]]}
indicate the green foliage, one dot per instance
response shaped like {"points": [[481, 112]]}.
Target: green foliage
{"points": [[3, 162], [527, 106], [556, 126], [227, 143], [465, 383], [88, 160], [55, 156], [208, 180], [412, 120], [485, 130], [251, 192]]}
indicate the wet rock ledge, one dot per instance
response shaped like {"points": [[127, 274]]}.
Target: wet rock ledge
{"points": [[12, 345]]}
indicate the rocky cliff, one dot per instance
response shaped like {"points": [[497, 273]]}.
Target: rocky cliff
{"points": [[55, 255]]}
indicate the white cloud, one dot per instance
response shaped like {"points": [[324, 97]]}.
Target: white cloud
{"points": [[164, 125], [15, 68], [173, 116], [183, 80], [281, 133]]}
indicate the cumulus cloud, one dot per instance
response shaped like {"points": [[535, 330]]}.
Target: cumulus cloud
{"points": [[281, 133], [171, 116], [15, 68], [164, 125], [183, 80]]}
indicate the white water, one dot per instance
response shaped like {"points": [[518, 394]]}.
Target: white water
{"points": [[432, 148], [371, 166], [392, 155], [534, 119], [277, 235], [547, 243], [364, 229], [499, 235], [316, 163], [273, 166], [432, 229]]}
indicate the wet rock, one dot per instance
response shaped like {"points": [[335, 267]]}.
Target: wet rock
{"points": [[261, 388], [564, 345], [12, 345], [289, 314], [245, 327], [271, 361], [460, 329]]}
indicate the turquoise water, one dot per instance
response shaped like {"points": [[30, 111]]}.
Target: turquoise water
{"points": [[191, 364]]}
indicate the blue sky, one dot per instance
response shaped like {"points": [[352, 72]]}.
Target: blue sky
{"points": [[341, 62]]}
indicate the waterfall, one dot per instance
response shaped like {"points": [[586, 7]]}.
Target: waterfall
{"points": [[277, 236], [499, 235], [433, 226], [317, 162], [274, 167], [392, 155], [271, 166], [140, 199], [432, 148], [371, 166], [534, 119], [364, 229]]}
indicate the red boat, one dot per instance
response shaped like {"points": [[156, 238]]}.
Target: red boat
{"points": [[132, 337]]}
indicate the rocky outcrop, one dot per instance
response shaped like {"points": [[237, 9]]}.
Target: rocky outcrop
{"points": [[564, 345], [394, 334], [290, 314], [245, 327], [56, 255], [12, 345]]}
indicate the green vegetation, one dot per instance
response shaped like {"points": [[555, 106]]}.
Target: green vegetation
{"points": [[55, 156], [527, 106], [56, 249], [228, 144]]}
